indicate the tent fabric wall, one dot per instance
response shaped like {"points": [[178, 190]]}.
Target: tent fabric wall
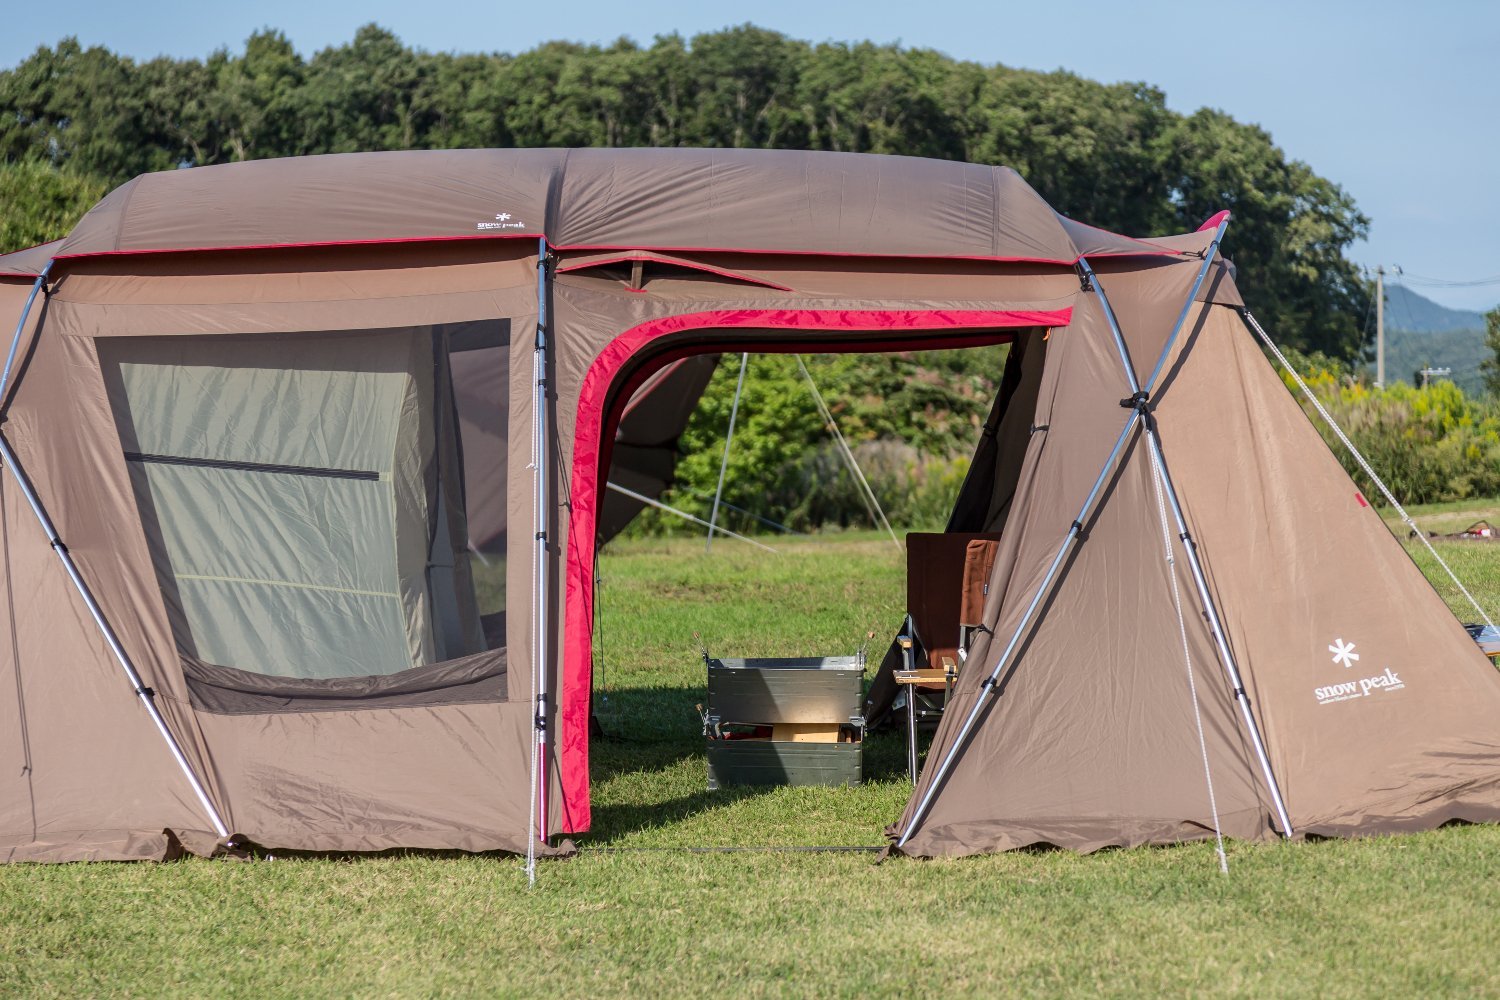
{"points": [[261, 769], [1270, 502], [1118, 764], [64, 795]]}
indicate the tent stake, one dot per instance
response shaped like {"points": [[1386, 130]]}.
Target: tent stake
{"points": [[991, 683], [145, 694], [1200, 581], [734, 411]]}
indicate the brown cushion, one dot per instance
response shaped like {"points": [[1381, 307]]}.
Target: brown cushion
{"points": [[935, 585], [979, 562]]}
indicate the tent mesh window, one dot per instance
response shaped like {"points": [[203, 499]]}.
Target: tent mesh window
{"points": [[303, 495]]}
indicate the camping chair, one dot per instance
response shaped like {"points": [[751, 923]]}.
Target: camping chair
{"points": [[947, 580]]}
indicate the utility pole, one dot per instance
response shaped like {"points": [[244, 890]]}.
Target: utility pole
{"points": [[1380, 327]]}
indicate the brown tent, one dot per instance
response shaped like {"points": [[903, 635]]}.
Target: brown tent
{"points": [[251, 614]]}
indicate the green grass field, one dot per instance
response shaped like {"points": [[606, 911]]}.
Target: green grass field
{"points": [[634, 913]]}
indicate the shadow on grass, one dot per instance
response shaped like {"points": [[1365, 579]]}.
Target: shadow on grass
{"points": [[651, 731]]}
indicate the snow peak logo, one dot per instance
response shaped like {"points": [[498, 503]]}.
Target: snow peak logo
{"points": [[1388, 681], [503, 220], [1343, 653]]}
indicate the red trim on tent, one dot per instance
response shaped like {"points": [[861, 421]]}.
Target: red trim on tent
{"points": [[1213, 221], [591, 455], [298, 246], [765, 252]]}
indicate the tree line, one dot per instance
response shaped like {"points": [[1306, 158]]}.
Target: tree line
{"points": [[1113, 155]]}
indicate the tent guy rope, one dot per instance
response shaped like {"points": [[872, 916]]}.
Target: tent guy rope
{"points": [[642, 498], [868, 495], [1365, 465], [1158, 476]]}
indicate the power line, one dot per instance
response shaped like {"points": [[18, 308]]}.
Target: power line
{"points": [[1418, 279]]}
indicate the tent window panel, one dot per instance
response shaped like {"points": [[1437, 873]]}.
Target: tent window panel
{"points": [[303, 497], [296, 631], [300, 403], [329, 533]]}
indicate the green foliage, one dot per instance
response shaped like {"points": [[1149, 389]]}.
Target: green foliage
{"points": [[1112, 155], [39, 202], [912, 420], [1490, 367], [1429, 445]]}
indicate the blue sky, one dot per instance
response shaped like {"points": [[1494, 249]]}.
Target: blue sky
{"points": [[1394, 101]]}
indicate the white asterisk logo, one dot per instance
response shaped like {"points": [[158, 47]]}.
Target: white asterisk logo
{"points": [[1343, 652], [503, 217]]}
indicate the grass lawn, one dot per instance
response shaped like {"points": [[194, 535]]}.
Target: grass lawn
{"points": [[1399, 916], [1476, 563]]}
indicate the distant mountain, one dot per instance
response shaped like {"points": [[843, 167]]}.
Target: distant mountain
{"points": [[1420, 334], [1406, 310]]}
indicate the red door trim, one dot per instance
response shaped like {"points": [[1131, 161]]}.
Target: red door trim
{"points": [[591, 454]]}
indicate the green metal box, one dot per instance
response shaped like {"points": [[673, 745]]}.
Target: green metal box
{"points": [[777, 762], [763, 694]]}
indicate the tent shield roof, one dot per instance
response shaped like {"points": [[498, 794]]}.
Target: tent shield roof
{"points": [[738, 200]]}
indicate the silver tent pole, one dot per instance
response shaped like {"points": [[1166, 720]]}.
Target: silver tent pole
{"points": [[734, 411], [10, 357], [992, 682], [537, 811], [1200, 582], [146, 695], [642, 498]]}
